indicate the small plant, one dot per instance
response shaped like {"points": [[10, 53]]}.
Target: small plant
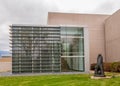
{"points": [[115, 67]]}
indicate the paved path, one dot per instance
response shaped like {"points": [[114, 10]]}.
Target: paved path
{"points": [[35, 74]]}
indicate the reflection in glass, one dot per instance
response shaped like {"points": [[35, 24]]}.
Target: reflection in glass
{"points": [[72, 49]]}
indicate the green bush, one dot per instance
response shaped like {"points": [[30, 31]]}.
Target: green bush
{"points": [[108, 67], [115, 67]]}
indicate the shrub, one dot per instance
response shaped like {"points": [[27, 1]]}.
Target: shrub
{"points": [[107, 66], [92, 66], [115, 67]]}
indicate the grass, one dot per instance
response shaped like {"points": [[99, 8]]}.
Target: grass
{"points": [[57, 80]]}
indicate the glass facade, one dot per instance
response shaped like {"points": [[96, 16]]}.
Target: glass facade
{"points": [[35, 49], [47, 49], [72, 49]]}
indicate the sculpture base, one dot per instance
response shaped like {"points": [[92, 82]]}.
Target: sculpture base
{"points": [[96, 77], [99, 75]]}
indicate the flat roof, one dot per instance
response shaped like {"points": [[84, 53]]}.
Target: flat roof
{"points": [[31, 25], [69, 13], [50, 26]]}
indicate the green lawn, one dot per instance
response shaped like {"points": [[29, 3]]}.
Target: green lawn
{"points": [[57, 80]]}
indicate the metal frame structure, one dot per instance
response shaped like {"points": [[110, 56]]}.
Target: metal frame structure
{"points": [[35, 49]]}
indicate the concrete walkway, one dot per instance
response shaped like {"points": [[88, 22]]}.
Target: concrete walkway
{"points": [[36, 74]]}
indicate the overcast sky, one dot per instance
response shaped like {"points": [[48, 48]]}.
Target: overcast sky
{"points": [[35, 12]]}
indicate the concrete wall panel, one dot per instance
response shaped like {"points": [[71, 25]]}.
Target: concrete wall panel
{"points": [[112, 36]]}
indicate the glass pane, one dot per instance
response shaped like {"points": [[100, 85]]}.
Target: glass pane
{"points": [[74, 31], [72, 64], [72, 49], [72, 46]]}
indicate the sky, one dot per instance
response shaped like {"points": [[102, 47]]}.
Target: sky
{"points": [[36, 11]]}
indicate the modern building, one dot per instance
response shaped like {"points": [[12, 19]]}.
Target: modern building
{"points": [[70, 42], [48, 48]]}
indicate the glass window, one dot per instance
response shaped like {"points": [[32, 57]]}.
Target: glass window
{"points": [[72, 49]]}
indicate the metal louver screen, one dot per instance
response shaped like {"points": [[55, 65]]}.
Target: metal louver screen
{"points": [[35, 49]]}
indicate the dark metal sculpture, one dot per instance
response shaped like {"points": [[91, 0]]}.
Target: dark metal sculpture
{"points": [[99, 70]]}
